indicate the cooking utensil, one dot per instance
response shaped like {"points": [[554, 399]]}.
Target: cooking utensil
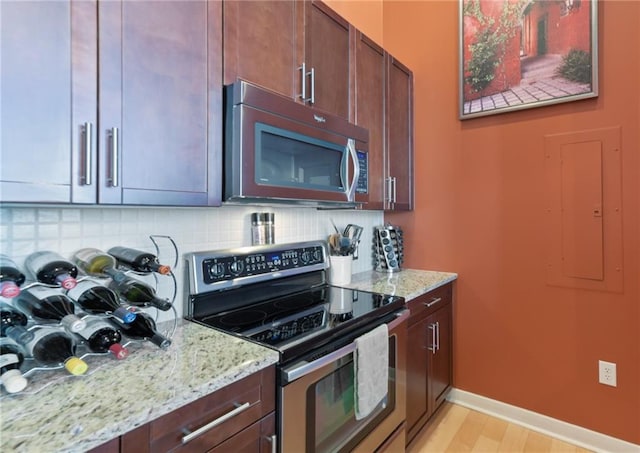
{"points": [[340, 245], [335, 227], [353, 232]]}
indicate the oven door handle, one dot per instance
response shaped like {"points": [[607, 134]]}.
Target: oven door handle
{"points": [[305, 368]]}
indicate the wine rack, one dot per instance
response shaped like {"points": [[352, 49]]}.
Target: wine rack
{"points": [[164, 285]]}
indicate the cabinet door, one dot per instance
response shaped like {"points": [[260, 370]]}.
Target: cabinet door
{"points": [[260, 44], [440, 363], [327, 52], [400, 134], [48, 56], [417, 384], [369, 111], [154, 102]]}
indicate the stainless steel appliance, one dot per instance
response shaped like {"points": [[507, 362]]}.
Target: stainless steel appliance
{"points": [[278, 150], [277, 295]]}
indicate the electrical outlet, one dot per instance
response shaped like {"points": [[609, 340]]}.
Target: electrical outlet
{"points": [[607, 373]]}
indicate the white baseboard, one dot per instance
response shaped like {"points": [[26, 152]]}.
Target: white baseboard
{"points": [[576, 435]]}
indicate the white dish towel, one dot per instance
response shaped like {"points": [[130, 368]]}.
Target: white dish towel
{"points": [[371, 370]]}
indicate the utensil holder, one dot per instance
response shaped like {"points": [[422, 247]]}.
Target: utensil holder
{"points": [[340, 269]]}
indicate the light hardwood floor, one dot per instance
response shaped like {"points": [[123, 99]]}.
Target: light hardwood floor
{"points": [[458, 429]]}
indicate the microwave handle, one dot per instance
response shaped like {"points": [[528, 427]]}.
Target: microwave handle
{"points": [[351, 192], [305, 368]]}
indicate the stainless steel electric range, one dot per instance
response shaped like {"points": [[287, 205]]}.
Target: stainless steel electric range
{"points": [[278, 296]]}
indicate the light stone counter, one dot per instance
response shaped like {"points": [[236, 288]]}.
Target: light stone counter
{"points": [[408, 283], [61, 412]]}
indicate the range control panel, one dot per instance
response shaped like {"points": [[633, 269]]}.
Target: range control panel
{"points": [[228, 267], [225, 268]]}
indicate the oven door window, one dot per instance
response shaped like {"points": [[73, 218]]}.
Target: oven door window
{"points": [[331, 422], [289, 159]]}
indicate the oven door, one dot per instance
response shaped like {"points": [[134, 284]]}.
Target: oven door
{"points": [[316, 400]]}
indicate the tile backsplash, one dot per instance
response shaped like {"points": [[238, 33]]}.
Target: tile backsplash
{"points": [[24, 230]]}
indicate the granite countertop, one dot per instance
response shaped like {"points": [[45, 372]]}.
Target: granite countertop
{"points": [[61, 412], [408, 283]]}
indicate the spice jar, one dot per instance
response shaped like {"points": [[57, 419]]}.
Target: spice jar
{"points": [[262, 228]]}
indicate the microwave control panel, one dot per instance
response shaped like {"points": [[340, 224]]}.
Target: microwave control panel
{"points": [[363, 180]]}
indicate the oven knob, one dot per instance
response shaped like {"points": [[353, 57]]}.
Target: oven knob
{"points": [[317, 255], [305, 257], [236, 267], [216, 270]]}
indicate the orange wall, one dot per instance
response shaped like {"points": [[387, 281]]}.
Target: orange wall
{"points": [[365, 15], [479, 187]]}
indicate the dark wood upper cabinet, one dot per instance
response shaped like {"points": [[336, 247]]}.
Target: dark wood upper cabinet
{"points": [[399, 136], [38, 146], [369, 111], [383, 100], [154, 92], [327, 57], [298, 48], [132, 112], [262, 45]]}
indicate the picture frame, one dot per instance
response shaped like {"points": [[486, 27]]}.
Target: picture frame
{"points": [[520, 54]]}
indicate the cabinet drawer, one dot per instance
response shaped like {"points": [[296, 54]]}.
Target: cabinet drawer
{"points": [[427, 303], [257, 392], [257, 438]]}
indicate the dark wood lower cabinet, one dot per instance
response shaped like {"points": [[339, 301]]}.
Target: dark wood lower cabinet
{"points": [[429, 356], [252, 429], [257, 438]]}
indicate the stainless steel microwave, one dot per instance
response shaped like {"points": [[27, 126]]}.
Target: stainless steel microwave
{"points": [[276, 150]]}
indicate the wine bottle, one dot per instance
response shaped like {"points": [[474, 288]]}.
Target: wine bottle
{"points": [[103, 337], [138, 260], [53, 347], [144, 328], [94, 262], [50, 268], [10, 278], [11, 358], [97, 299], [13, 323], [46, 304], [138, 293]]}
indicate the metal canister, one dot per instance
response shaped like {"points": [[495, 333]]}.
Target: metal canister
{"points": [[262, 228]]}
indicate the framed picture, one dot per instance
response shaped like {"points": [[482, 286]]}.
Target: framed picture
{"points": [[518, 54]]}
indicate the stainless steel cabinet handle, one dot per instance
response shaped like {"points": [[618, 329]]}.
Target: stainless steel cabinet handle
{"points": [[432, 328], [394, 185], [223, 418], [86, 144], [389, 192], [274, 444], [437, 335], [303, 79], [312, 75], [114, 142], [313, 86], [434, 301]]}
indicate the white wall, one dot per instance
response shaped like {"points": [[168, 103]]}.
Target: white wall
{"points": [[65, 229]]}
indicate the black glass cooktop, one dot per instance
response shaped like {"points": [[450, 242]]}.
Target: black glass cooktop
{"points": [[292, 322]]}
